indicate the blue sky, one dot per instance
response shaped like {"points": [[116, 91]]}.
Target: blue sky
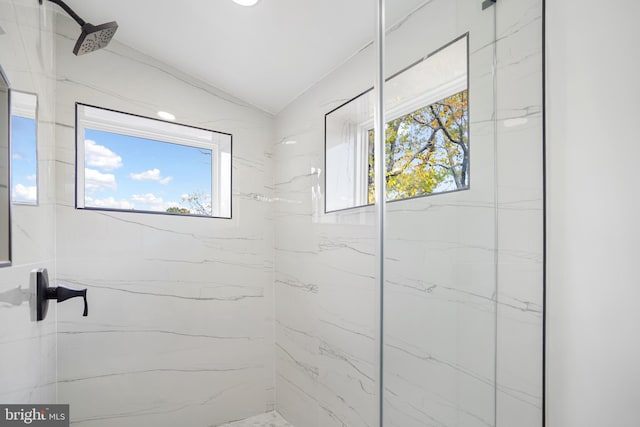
{"points": [[24, 163], [126, 172]]}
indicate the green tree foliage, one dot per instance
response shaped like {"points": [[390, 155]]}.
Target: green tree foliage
{"points": [[179, 210], [427, 150]]}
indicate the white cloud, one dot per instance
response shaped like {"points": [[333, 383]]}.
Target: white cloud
{"points": [[148, 199], [100, 156], [25, 194], [150, 175], [16, 156], [31, 178], [109, 202], [96, 181], [151, 202]]}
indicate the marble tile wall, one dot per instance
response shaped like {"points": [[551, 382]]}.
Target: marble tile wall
{"points": [[463, 271], [180, 325], [28, 349], [269, 419]]}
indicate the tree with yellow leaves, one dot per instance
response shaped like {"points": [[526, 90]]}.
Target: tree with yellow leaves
{"points": [[426, 151]]}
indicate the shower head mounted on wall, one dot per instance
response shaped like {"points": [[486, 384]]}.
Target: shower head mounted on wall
{"points": [[92, 37]]}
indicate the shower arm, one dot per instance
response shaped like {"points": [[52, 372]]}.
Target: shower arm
{"points": [[67, 9]]}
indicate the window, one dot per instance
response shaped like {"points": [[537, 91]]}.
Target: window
{"points": [[427, 150], [426, 138], [127, 162], [24, 156], [348, 130]]}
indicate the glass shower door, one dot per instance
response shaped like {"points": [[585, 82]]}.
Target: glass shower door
{"points": [[440, 236]]}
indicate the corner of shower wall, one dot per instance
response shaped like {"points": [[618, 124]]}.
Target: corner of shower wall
{"points": [[325, 269], [28, 348]]}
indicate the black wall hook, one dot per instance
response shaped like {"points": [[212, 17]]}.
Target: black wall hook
{"points": [[44, 293]]}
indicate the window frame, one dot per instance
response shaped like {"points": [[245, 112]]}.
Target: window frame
{"points": [[360, 155], [176, 139]]}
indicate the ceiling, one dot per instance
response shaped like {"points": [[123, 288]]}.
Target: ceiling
{"points": [[266, 54]]}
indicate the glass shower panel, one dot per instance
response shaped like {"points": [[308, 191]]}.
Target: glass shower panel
{"points": [[439, 310]]}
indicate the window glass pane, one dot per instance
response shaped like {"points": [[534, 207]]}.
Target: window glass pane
{"points": [[24, 158], [125, 171], [427, 151]]}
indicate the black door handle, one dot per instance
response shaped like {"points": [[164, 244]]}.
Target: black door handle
{"points": [[61, 293]]}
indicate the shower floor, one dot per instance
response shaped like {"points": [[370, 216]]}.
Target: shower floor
{"points": [[270, 419]]}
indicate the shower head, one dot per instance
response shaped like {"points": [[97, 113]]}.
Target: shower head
{"points": [[92, 37]]}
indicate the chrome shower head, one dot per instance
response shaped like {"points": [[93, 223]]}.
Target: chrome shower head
{"points": [[92, 37]]}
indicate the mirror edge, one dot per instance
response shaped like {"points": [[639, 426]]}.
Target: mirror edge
{"points": [[5, 80]]}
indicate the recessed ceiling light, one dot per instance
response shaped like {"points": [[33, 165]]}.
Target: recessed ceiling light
{"points": [[166, 116], [246, 2]]}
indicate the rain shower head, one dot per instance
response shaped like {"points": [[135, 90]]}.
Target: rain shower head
{"points": [[92, 37]]}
